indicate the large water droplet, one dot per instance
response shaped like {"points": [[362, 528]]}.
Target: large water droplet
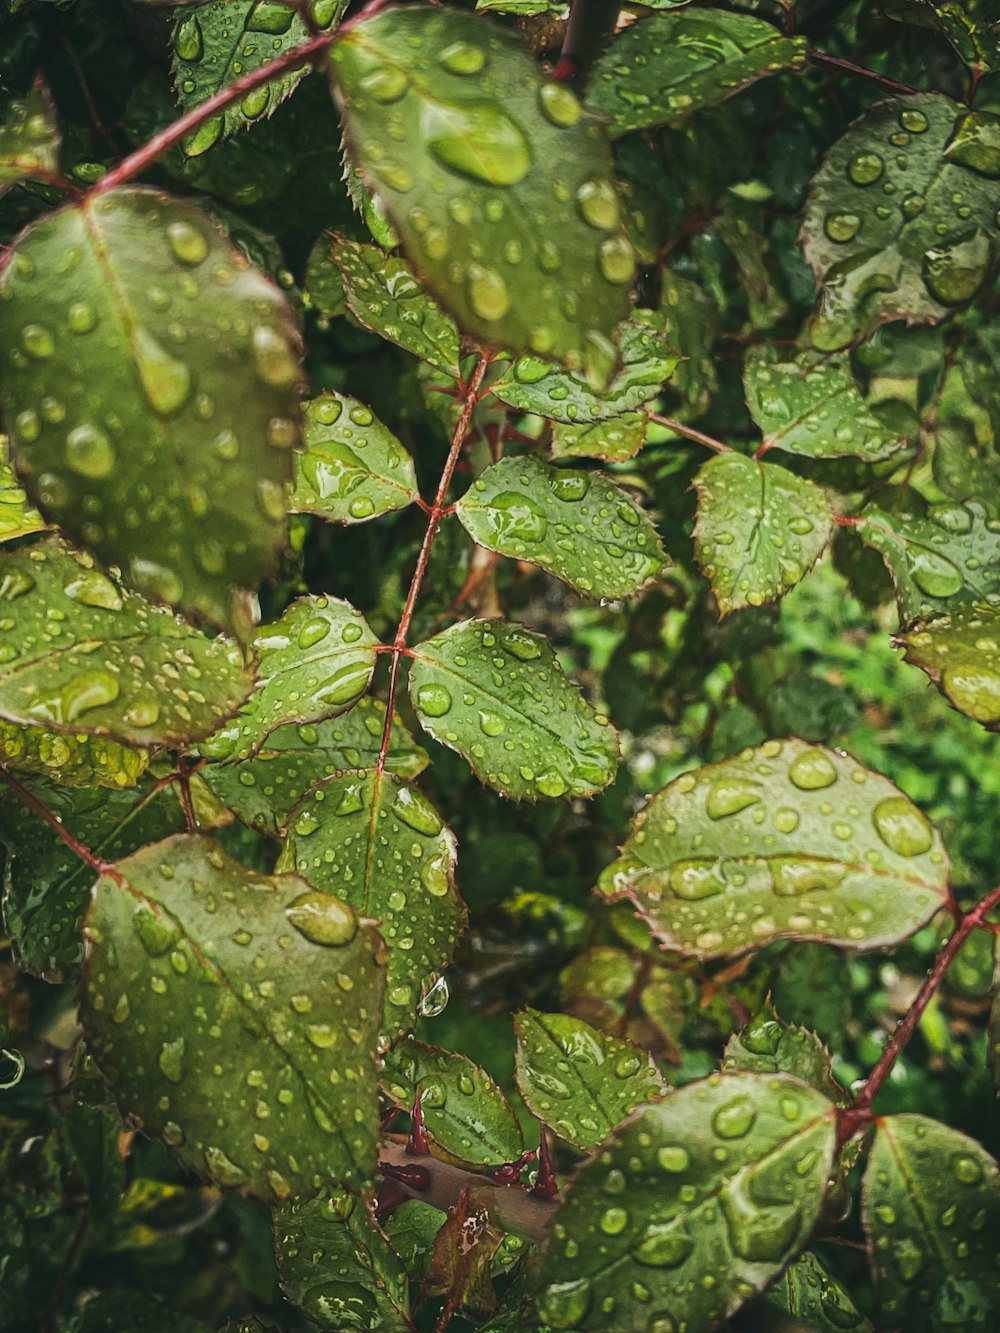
{"points": [[386, 84], [434, 700], [734, 1119], [166, 381], [598, 204], [616, 259], [842, 227], [902, 827], [322, 919], [489, 294], [559, 104], [413, 808], [187, 242], [696, 878], [188, 42], [270, 16], [222, 1169], [954, 273], [935, 575], [976, 143], [865, 168], [171, 1060], [664, 1246], [564, 1304], [462, 58], [93, 588], [758, 1234], [435, 1002], [516, 517], [274, 358], [728, 796], [476, 140], [569, 486], [812, 770], [313, 631], [89, 452]]}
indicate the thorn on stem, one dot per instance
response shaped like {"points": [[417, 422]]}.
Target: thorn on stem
{"points": [[417, 1145], [416, 1178], [546, 1185], [509, 1173]]}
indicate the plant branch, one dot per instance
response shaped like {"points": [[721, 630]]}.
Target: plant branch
{"points": [[859, 72], [55, 823], [689, 433]]}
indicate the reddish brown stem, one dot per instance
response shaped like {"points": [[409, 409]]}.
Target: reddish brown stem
{"points": [[55, 823], [689, 433], [859, 72]]}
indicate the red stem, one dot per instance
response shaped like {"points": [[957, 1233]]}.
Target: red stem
{"points": [[56, 824], [859, 72], [689, 433]]}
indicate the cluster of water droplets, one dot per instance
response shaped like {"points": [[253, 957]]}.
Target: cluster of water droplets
{"points": [[951, 555], [962, 655], [353, 468]]}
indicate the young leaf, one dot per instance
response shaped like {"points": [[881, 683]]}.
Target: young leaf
{"points": [[386, 298], [769, 1046], [961, 654], [380, 844], [812, 407], [811, 1295], [578, 1081], [498, 182], [17, 517], [336, 1265], [138, 427], [213, 1005], [669, 65], [496, 693], [533, 385], [82, 654], [900, 219], [313, 663], [760, 529], [574, 524], [352, 468], [71, 759], [463, 1108], [931, 1208], [723, 1179], [788, 840], [323, 283], [614, 440], [29, 139]]}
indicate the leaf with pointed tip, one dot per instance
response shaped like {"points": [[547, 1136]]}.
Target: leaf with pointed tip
{"points": [[262, 791], [881, 228], [380, 845], [960, 652], [578, 1081], [614, 440], [170, 449], [785, 841], [667, 66], [576, 525], [82, 654], [496, 693], [213, 1005], [352, 468], [463, 1108], [947, 559], [225, 40], [336, 1264], [386, 298], [760, 529], [768, 1045], [47, 886], [724, 1178], [815, 1299], [17, 517], [536, 386], [931, 1208], [29, 139], [324, 285], [476, 157], [975, 37], [313, 663], [812, 407], [71, 759]]}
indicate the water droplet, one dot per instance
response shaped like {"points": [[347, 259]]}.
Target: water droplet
{"points": [[976, 143], [89, 452], [812, 770], [908, 1258], [37, 341], [344, 684], [256, 102], [92, 588], [551, 784], [758, 1234], [435, 1002], [914, 121], [902, 827], [187, 242], [954, 273], [865, 168], [966, 1169], [696, 878], [270, 16], [171, 1060], [166, 381], [616, 259], [476, 140], [222, 1169], [559, 104], [569, 486], [386, 84], [935, 575], [613, 1221], [305, 824], [786, 820], [734, 1118], [313, 631], [413, 808], [564, 1304], [156, 935], [462, 58], [520, 645], [434, 876], [434, 700], [188, 41], [842, 227], [274, 357], [515, 517], [664, 1246], [673, 1158], [728, 796], [489, 295], [598, 204], [322, 919], [491, 724]]}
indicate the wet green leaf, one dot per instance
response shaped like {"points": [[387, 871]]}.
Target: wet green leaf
{"points": [[811, 1294], [214, 1005], [324, 285], [82, 654], [788, 840], [352, 468], [767, 1045], [664, 67], [691, 321], [17, 517], [961, 654], [760, 529], [140, 1312], [931, 1207], [71, 759], [29, 139], [812, 407], [143, 423], [900, 219], [975, 37], [463, 1108], [92, 1135], [614, 440], [496, 693], [574, 524], [336, 1265], [578, 1081], [379, 844], [498, 182], [723, 1180]]}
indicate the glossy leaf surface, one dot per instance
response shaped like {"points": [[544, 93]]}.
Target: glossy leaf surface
{"points": [[614, 440], [213, 1005], [786, 840], [148, 436], [810, 1294], [724, 1179], [71, 759], [29, 139], [767, 1045], [18, 517], [574, 524], [496, 693], [960, 652]]}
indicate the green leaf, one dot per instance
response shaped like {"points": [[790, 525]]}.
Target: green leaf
{"points": [[47, 886], [767, 1045], [496, 693], [263, 791], [463, 1108], [324, 286], [313, 663], [614, 440], [810, 1294], [578, 1081], [71, 759], [724, 1178], [931, 1207], [17, 517], [574, 524], [974, 37], [788, 840], [29, 139], [336, 1265], [214, 1006], [352, 468], [138, 1311], [226, 40], [498, 182], [900, 219], [950, 558], [760, 529], [664, 67], [379, 844], [691, 322], [960, 652], [82, 654], [151, 391], [534, 385], [811, 406], [386, 298]]}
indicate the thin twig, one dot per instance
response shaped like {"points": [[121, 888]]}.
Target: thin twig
{"points": [[859, 72], [690, 433], [55, 823]]}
